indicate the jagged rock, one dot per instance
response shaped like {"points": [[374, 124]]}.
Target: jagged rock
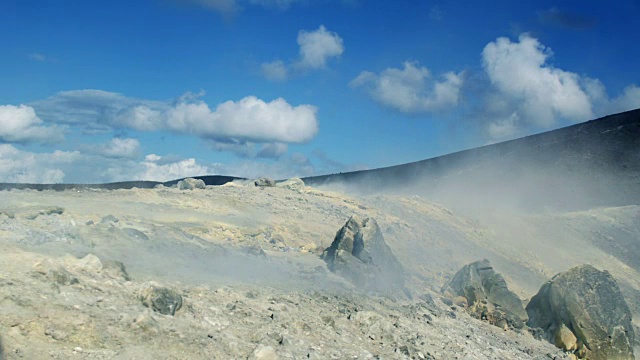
{"points": [[292, 184], [360, 254], [487, 295], [115, 269], [162, 300], [191, 184], [588, 302], [264, 182]]}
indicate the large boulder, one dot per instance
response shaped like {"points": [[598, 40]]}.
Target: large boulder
{"points": [[587, 303], [191, 184], [359, 254], [487, 295]]}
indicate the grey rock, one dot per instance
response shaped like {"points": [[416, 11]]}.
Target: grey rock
{"points": [[191, 184], [162, 300], [108, 219], [360, 254], [487, 294], [264, 182], [589, 303]]}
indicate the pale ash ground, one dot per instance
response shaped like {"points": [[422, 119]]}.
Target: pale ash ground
{"points": [[240, 304]]}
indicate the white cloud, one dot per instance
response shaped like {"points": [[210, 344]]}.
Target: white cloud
{"points": [[539, 92], [316, 47], [153, 170], [18, 166], [411, 89], [249, 119], [526, 91], [118, 148], [21, 124], [275, 71]]}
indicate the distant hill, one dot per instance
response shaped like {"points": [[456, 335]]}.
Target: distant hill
{"points": [[596, 163], [208, 179]]}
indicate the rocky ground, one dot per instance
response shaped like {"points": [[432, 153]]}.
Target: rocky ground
{"points": [[77, 269]]}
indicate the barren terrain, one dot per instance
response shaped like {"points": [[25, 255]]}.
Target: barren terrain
{"points": [[246, 262]]}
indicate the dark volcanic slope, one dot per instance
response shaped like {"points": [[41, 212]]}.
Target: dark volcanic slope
{"points": [[596, 163]]}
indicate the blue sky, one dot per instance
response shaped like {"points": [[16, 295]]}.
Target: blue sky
{"points": [[96, 91]]}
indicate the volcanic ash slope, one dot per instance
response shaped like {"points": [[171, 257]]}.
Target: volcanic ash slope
{"points": [[96, 274]]}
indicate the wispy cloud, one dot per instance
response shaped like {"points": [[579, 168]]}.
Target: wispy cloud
{"points": [[316, 48], [37, 57]]}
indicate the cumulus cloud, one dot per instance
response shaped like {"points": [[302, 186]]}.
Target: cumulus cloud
{"points": [[249, 119], [274, 71], [519, 71], [526, 91], [20, 124], [18, 166], [154, 170], [316, 48], [412, 88], [117, 148]]}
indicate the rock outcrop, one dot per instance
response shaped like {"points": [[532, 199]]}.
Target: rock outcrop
{"points": [[360, 254], [295, 184], [264, 182], [587, 304], [487, 295], [161, 299], [191, 184]]}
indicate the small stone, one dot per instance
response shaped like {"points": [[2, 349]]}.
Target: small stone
{"points": [[565, 339]]}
